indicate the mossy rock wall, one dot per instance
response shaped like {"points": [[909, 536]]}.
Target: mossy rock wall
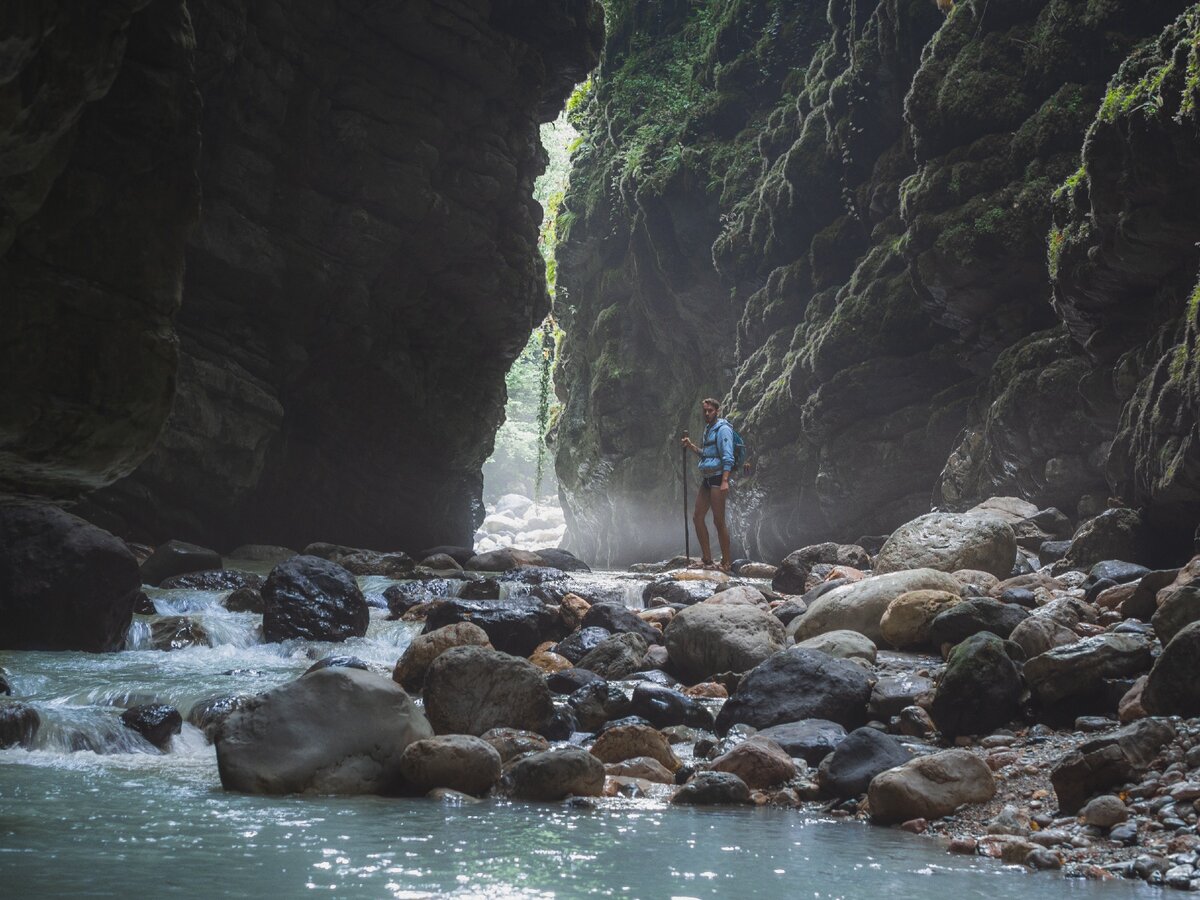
{"points": [[881, 246]]}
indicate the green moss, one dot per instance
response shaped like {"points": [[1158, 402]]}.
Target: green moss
{"points": [[1144, 94], [1054, 247]]}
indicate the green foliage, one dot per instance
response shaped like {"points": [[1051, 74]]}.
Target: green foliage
{"points": [[1054, 247]]}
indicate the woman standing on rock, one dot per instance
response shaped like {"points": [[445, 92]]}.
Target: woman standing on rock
{"points": [[716, 462]]}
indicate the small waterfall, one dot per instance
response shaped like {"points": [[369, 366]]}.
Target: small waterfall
{"points": [[75, 729]]}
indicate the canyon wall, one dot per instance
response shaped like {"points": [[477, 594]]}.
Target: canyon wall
{"points": [[854, 247]]}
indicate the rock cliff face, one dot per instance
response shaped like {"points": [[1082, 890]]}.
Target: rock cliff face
{"points": [[362, 275], [879, 238]]}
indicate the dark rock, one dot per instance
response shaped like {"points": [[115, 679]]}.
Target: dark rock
{"points": [[653, 676], [684, 593], [598, 702], [1115, 534], [962, 620], [624, 722], [560, 724], [394, 564], [1179, 608], [797, 684], [554, 775], [810, 739], [1080, 667], [262, 553], [64, 584], [312, 598], [792, 609], [402, 597], [533, 576], [616, 657], [156, 722], [980, 689], [712, 789], [570, 680], [579, 644], [214, 580], [348, 662], [502, 560], [821, 589], [1144, 601], [144, 606], [863, 754], [1052, 551], [19, 723], [5, 684], [178, 558], [177, 632], [470, 690], [1116, 571], [245, 600], [480, 589], [512, 742], [1097, 588], [618, 619], [893, 693], [1173, 688], [1106, 761], [1052, 521], [790, 578], [1022, 597], [515, 626], [562, 559], [664, 707], [210, 713], [459, 554]]}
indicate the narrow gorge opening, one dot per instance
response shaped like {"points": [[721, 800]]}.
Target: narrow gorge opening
{"points": [[520, 487]]}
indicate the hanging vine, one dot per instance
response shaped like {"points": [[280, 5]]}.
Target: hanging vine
{"points": [[543, 411]]}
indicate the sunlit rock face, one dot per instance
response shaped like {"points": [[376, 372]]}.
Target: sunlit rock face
{"points": [[99, 137], [851, 248], [364, 270]]}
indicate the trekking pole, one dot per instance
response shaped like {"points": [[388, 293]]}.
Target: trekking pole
{"points": [[687, 536]]}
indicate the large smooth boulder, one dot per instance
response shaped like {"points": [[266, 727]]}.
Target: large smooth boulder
{"points": [[564, 560], [555, 774], [830, 553], [759, 761], [335, 731], [502, 560], [713, 789], [1173, 688], [980, 689], [214, 580], [1037, 634], [419, 655], [315, 599], [930, 787], [64, 583], [1079, 668], [156, 722], [470, 690], [1178, 608], [893, 693], [616, 657], [950, 541], [578, 644], [811, 739], [664, 706], [619, 619], [622, 742], [517, 625], [959, 622], [842, 645], [905, 623], [1114, 534], [797, 684], [848, 770], [177, 558], [707, 639], [460, 762], [860, 606]]}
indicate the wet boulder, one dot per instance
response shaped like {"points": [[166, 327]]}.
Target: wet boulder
{"points": [[213, 580], [930, 787], [513, 742], [597, 703], [459, 762], [395, 564], [959, 622], [1078, 668], [64, 583], [19, 723], [713, 789], [425, 648], [271, 553], [156, 722], [245, 599], [459, 554], [622, 742], [517, 625], [830, 553], [707, 639], [176, 633], [791, 578], [470, 690], [1173, 688], [842, 645], [1037, 634], [1115, 534], [349, 662], [570, 680], [907, 619], [1103, 762], [314, 599], [177, 558], [618, 619], [336, 731], [892, 693], [859, 606], [502, 560], [563, 560], [616, 657], [1179, 607], [210, 713], [848, 770], [948, 542], [759, 761], [980, 689], [810, 739], [671, 590], [579, 644], [797, 684], [555, 775], [664, 707]]}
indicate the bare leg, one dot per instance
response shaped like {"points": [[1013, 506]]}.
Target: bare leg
{"points": [[718, 507], [698, 520]]}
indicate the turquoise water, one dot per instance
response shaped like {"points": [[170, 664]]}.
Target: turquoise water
{"points": [[130, 821]]}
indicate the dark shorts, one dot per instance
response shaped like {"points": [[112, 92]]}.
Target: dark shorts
{"points": [[712, 481]]}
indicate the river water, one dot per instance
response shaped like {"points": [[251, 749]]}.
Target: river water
{"points": [[94, 810]]}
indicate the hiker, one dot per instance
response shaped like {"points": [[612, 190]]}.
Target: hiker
{"points": [[716, 464]]}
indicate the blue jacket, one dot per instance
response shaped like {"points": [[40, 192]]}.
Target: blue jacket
{"points": [[716, 453]]}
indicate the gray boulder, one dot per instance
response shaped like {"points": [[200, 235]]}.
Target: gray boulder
{"points": [[930, 787], [1173, 688], [315, 599], [980, 689], [1037, 634], [459, 762], [706, 639], [616, 657], [470, 690], [713, 789], [1079, 667], [842, 645], [848, 770], [554, 775], [962, 620], [336, 731], [951, 541], [1179, 608], [893, 693], [177, 558], [860, 605], [811, 739]]}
